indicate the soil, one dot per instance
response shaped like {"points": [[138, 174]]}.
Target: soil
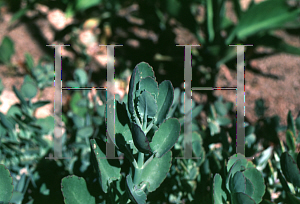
{"points": [[275, 79]]}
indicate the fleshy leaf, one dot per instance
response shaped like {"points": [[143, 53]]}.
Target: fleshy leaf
{"points": [[6, 50], [147, 105], [140, 140], [122, 126], [74, 190], [6, 184], [175, 102], [219, 196], [198, 149], [85, 132], [238, 198], [137, 195], [290, 169], [150, 85], [165, 137], [290, 140], [19, 95], [154, 176], [237, 183], [235, 168], [249, 187], [292, 198], [164, 101], [144, 70], [81, 77], [244, 162], [131, 91], [106, 172], [291, 123], [258, 182], [4, 120], [283, 182]]}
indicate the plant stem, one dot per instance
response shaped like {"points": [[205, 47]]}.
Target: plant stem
{"points": [[141, 160], [149, 127], [182, 164], [138, 121], [145, 122], [116, 189], [111, 194], [138, 171], [131, 158]]}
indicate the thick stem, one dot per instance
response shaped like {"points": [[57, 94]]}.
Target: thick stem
{"points": [[145, 122], [149, 127], [141, 160], [138, 171], [116, 189]]}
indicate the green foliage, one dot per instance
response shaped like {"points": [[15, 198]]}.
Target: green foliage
{"points": [[149, 121], [7, 49], [244, 182], [22, 139], [6, 186], [75, 191], [137, 134], [146, 130], [43, 73], [106, 172]]}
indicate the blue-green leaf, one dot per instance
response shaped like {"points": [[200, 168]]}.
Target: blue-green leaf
{"points": [[258, 182], [137, 195], [150, 85], [244, 162], [155, 171], [140, 140], [106, 172], [122, 129], [164, 101], [29, 61], [85, 132], [74, 190], [81, 77], [249, 187], [241, 198], [29, 90], [6, 122], [237, 183], [290, 140], [6, 50], [291, 123], [6, 184], [165, 137], [219, 195], [147, 106], [290, 169]]}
